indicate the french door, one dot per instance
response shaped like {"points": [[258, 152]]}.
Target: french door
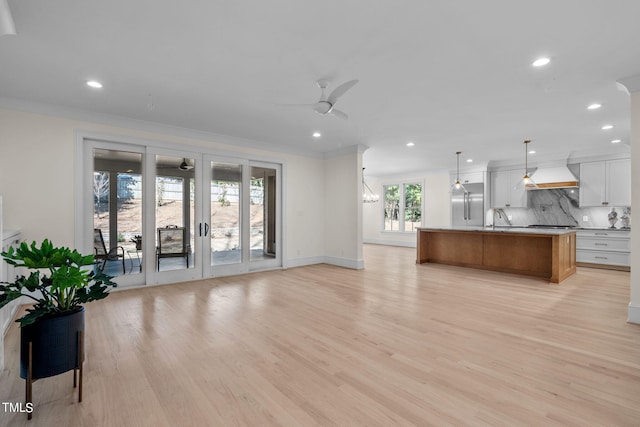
{"points": [[170, 215], [241, 216], [173, 244]]}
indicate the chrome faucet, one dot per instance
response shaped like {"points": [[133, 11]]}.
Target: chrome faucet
{"points": [[494, 216]]}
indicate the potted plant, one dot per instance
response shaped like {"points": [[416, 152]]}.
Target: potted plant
{"points": [[137, 239], [59, 283]]}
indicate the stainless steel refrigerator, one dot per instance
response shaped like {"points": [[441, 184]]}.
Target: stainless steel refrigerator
{"points": [[467, 207]]}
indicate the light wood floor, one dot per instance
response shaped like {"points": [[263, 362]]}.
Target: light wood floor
{"points": [[395, 344]]}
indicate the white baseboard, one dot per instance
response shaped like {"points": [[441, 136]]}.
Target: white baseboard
{"points": [[301, 262], [634, 313], [391, 242], [340, 262], [356, 264]]}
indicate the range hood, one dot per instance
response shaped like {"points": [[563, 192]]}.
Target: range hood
{"points": [[553, 177]]}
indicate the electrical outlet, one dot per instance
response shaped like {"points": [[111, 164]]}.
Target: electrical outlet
{"points": [[510, 217], [585, 218]]}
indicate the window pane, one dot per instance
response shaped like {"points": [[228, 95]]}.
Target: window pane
{"points": [[391, 207], [412, 206], [117, 219], [263, 213], [226, 194], [175, 234]]}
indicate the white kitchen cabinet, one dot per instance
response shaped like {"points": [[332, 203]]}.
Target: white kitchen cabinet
{"points": [[505, 191], [469, 177], [605, 183], [604, 248], [618, 189]]}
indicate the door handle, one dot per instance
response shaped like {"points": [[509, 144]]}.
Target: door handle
{"points": [[469, 206], [206, 229], [464, 205]]}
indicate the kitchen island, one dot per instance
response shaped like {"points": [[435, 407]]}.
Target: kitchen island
{"points": [[545, 253]]}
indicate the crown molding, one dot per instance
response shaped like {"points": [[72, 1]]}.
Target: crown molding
{"points": [[351, 149], [632, 83], [148, 126]]}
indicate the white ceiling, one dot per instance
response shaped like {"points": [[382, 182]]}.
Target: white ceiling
{"points": [[447, 75]]}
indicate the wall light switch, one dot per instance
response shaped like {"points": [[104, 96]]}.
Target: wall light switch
{"points": [[585, 218]]}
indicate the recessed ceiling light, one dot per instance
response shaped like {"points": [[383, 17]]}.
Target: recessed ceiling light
{"points": [[532, 152], [317, 134], [594, 106], [410, 144], [94, 84], [540, 62], [607, 127], [469, 160], [615, 141]]}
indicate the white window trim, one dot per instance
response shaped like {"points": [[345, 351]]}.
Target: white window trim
{"points": [[401, 195]]}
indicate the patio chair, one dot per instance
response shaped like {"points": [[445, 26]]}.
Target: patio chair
{"points": [[172, 243], [101, 253]]}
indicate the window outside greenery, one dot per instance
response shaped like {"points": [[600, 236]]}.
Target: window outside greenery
{"points": [[391, 207], [405, 216], [412, 206]]}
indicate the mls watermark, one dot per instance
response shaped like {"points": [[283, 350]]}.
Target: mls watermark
{"points": [[17, 407]]}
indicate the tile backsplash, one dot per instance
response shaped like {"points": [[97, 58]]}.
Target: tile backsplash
{"points": [[555, 207]]}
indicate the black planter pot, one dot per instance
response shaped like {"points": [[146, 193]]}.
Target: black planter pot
{"points": [[55, 344]]}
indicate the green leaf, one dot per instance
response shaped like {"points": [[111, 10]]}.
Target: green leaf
{"points": [[67, 283], [8, 295], [33, 314]]}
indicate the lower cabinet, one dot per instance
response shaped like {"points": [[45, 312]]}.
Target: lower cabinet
{"points": [[604, 249]]}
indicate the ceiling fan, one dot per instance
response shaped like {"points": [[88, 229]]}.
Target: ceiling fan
{"points": [[326, 103], [184, 166]]}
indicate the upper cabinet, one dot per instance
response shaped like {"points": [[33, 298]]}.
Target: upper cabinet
{"points": [[605, 183], [505, 191], [469, 177]]}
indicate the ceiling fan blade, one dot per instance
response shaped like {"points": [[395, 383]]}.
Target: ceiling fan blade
{"points": [[340, 90], [339, 114], [7, 26]]}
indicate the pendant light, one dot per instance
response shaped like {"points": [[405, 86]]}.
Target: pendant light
{"points": [[368, 196], [457, 186], [526, 180]]}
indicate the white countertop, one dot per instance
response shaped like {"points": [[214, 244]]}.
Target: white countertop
{"points": [[515, 230], [602, 229]]}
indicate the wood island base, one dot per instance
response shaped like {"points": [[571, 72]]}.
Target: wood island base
{"points": [[548, 256]]}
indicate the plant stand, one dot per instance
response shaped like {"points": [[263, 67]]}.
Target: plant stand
{"points": [[77, 382], [52, 346]]}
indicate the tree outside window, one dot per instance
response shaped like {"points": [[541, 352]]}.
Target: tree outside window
{"points": [[402, 207], [391, 207], [412, 206]]}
